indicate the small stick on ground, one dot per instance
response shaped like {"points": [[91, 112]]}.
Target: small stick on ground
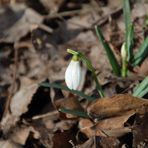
{"points": [[12, 87], [50, 114]]}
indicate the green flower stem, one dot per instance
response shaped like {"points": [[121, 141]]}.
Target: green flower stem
{"points": [[72, 52], [124, 68], [90, 67]]}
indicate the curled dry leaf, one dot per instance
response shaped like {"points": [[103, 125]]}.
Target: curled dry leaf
{"points": [[115, 122], [19, 103], [114, 113], [114, 106], [108, 127]]}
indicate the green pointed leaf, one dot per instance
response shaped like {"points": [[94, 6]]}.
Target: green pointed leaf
{"points": [[129, 34], [141, 54], [62, 87], [127, 14], [129, 42], [142, 88], [112, 59], [74, 112]]}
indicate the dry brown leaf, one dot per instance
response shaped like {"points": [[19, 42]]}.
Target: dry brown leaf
{"points": [[53, 6], [114, 106], [101, 142], [115, 122], [18, 22], [9, 144], [62, 139], [108, 127], [19, 103], [139, 10], [64, 125], [140, 129], [109, 142], [21, 100], [118, 132], [90, 143], [85, 126], [116, 111], [20, 136], [143, 69]]}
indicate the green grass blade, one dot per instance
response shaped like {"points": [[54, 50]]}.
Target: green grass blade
{"points": [[142, 54], [142, 88], [143, 93], [129, 35], [112, 59], [127, 14], [59, 86], [129, 42], [74, 112]]}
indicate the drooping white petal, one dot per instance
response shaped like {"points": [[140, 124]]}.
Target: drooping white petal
{"points": [[73, 75]]}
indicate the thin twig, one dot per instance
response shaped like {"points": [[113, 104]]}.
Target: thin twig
{"points": [[104, 19], [63, 14], [50, 114], [13, 86], [45, 28]]}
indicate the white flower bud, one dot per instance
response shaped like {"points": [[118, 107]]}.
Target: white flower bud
{"points": [[73, 74], [123, 52]]}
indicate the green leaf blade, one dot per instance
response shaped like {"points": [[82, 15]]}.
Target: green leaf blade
{"points": [[141, 54], [112, 59], [142, 88], [129, 28], [59, 86], [74, 112]]}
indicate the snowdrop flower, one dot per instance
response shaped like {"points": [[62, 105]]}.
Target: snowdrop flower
{"points": [[123, 52], [73, 73]]}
